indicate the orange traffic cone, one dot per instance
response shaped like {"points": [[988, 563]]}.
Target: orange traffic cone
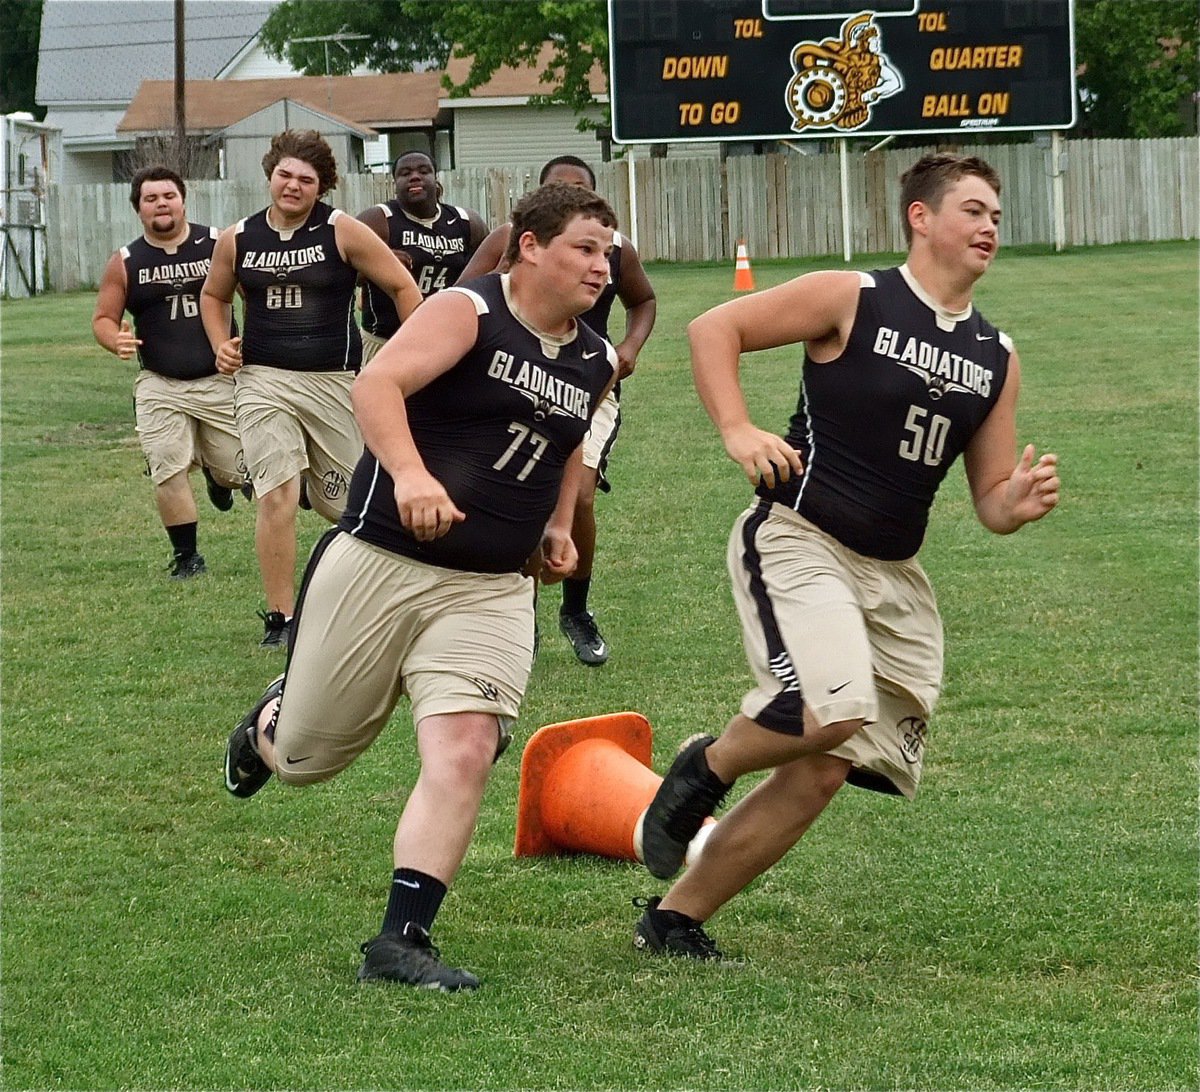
{"points": [[585, 786], [743, 279]]}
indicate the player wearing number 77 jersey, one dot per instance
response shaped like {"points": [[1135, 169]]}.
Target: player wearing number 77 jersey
{"points": [[183, 407], [296, 262], [901, 376], [474, 415]]}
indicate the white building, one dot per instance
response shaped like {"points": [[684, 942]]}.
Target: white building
{"points": [[94, 54]]}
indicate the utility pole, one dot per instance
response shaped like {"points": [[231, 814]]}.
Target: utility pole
{"points": [[180, 95]]}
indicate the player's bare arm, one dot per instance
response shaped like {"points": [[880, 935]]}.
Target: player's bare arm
{"points": [[636, 294], [362, 248], [558, 554], [109, 325], [817, 308], [479, 230], [216, 303], [490, 255], [1009, 491], [376, 220], [436, 338]]}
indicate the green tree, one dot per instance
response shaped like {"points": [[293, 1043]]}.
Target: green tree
{"points": [[1137, 67], [407, 34], [20, 33]]}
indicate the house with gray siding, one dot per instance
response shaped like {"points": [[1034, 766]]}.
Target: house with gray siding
{"points": [[94, 54]]}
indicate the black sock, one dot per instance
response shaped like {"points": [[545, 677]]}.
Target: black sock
{"points": [[575, 594], [677, 917], [701, 766], [183, 538], [416, 897]]}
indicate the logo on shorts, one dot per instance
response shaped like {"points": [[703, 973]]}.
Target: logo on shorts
{"points": [[914, 730], [333, 485], [487, 689]]}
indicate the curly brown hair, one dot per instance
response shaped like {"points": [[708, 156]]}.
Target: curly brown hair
{"points": [[548, 209], [308, 146], [932, 175]]}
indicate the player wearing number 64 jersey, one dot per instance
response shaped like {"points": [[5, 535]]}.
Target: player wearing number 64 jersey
{"points": [[434, 240], [473, 415], [183, 407]]}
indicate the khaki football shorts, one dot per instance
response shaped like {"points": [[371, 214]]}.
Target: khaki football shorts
{"points": [[847, 636], [299, 422], [602, 434], [372, 625], [371, 345], [186, 423]]}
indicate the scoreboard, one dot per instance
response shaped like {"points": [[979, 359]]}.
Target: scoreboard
{"points": [[712, 70]]}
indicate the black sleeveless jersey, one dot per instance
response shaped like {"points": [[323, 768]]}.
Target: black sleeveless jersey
{"points": [[162, 293], [879, 427], [439, 255], [597, 317], [496, 430], [299, 295]]}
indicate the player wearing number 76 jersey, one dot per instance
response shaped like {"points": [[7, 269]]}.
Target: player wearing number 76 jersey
{"points": [[474, 415], [183, 407]]}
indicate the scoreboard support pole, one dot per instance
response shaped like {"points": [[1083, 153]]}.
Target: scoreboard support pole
{"points": [[631, 171], [1057, 156], [844, 170]]}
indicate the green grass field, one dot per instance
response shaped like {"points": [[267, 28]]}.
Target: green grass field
{"points": [[1028, 922]]}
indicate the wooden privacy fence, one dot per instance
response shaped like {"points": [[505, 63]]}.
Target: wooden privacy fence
{"points": [[787, 205]]}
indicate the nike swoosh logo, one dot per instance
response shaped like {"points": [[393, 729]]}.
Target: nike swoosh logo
{"points": [[454, 221], [293, 761], [588, 356], [835, 689], [409, 883], [314, 227], [983, 337]]}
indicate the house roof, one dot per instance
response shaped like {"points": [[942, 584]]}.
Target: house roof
{"points": [[99, 51], [394, 100], [364, 131], [518, 82]]}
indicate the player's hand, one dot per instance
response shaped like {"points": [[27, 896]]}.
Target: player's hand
{"points": [[533, 563], [426, 510], [1032, 488], [127, 344], [229, 356], [559, 555], [763, 456], [626, 362], [405, 258]]}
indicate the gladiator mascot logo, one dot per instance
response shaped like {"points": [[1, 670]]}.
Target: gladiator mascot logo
{"points": [[837, 81]]}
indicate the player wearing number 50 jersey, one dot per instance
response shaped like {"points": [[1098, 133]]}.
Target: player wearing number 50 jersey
{"points": [[297, 263], [183, 407], [433, 239], [473, 417], [901, 376]]}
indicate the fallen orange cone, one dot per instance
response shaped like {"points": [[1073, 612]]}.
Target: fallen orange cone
{"points": [[743, 278], [585, 787]]}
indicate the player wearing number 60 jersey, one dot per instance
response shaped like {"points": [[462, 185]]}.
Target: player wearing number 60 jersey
{"points": [[473, 416], [297, 263], [183, 407]]}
